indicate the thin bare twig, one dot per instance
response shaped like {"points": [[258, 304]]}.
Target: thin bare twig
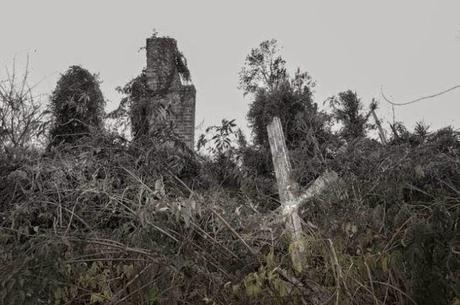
{"points": [[417, 99], [252, 251]]}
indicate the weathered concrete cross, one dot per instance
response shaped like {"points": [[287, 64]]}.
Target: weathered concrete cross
{"points": [[290, 201]]}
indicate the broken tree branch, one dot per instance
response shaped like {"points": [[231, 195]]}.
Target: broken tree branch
{"points": [[379, 127]]}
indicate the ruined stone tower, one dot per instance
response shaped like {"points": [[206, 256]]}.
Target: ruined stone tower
{"points": [[168, 78]]}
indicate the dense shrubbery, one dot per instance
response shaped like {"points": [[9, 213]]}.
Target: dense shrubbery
{"points": [[103, 220], [108, 220], [77, 106]]}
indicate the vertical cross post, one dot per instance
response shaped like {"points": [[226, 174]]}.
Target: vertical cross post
{"points": [[290, 198], [286, 186]]}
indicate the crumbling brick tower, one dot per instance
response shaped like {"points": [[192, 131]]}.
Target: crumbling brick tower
{"points": [[168, 78]]}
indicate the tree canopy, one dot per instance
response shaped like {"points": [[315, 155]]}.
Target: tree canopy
{"points": [[275, 92], [347, 109], [264, 68]]}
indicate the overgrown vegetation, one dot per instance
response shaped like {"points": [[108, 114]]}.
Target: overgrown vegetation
{"points": [[104, 220], [347, 109], [77, 106], [135, 111]]}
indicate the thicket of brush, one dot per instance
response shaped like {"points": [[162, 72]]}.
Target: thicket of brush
{"points": [[97, 219], [103, 221]]}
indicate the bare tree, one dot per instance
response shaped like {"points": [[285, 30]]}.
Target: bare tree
{"points": [[22, 116]]}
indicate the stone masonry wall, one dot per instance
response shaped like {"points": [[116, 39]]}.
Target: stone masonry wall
{"points": [[164, 80]]}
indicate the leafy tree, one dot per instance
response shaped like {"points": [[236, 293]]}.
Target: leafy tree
{"points": [[264, 75], [275, 93], [290, 103], [347, 109], [224, 143], [77, 105], [421, 129], [263, 68], [221, 137]]}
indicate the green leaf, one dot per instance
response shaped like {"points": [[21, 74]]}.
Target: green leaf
{"points": [[128, 270], [97, 297]]}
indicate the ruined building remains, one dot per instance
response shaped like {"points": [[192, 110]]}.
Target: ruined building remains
{"points": [[169, 80]]}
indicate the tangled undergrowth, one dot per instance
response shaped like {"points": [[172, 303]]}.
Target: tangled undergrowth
{"points": [[109, 222]]}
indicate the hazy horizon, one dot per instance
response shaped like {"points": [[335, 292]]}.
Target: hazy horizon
{"points": [[411, 48]]}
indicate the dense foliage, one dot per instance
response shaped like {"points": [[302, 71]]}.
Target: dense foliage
{"points": [[347, 109], [104, 220], [263, 68], [265, 77], [136, 110], [77, 106], [133, 111], [108, 221]]}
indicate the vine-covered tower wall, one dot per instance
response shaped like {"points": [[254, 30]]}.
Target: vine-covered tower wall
{"points": [[171, 87]]}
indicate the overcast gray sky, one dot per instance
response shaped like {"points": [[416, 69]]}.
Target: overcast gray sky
{"points": [[410, 47]]}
